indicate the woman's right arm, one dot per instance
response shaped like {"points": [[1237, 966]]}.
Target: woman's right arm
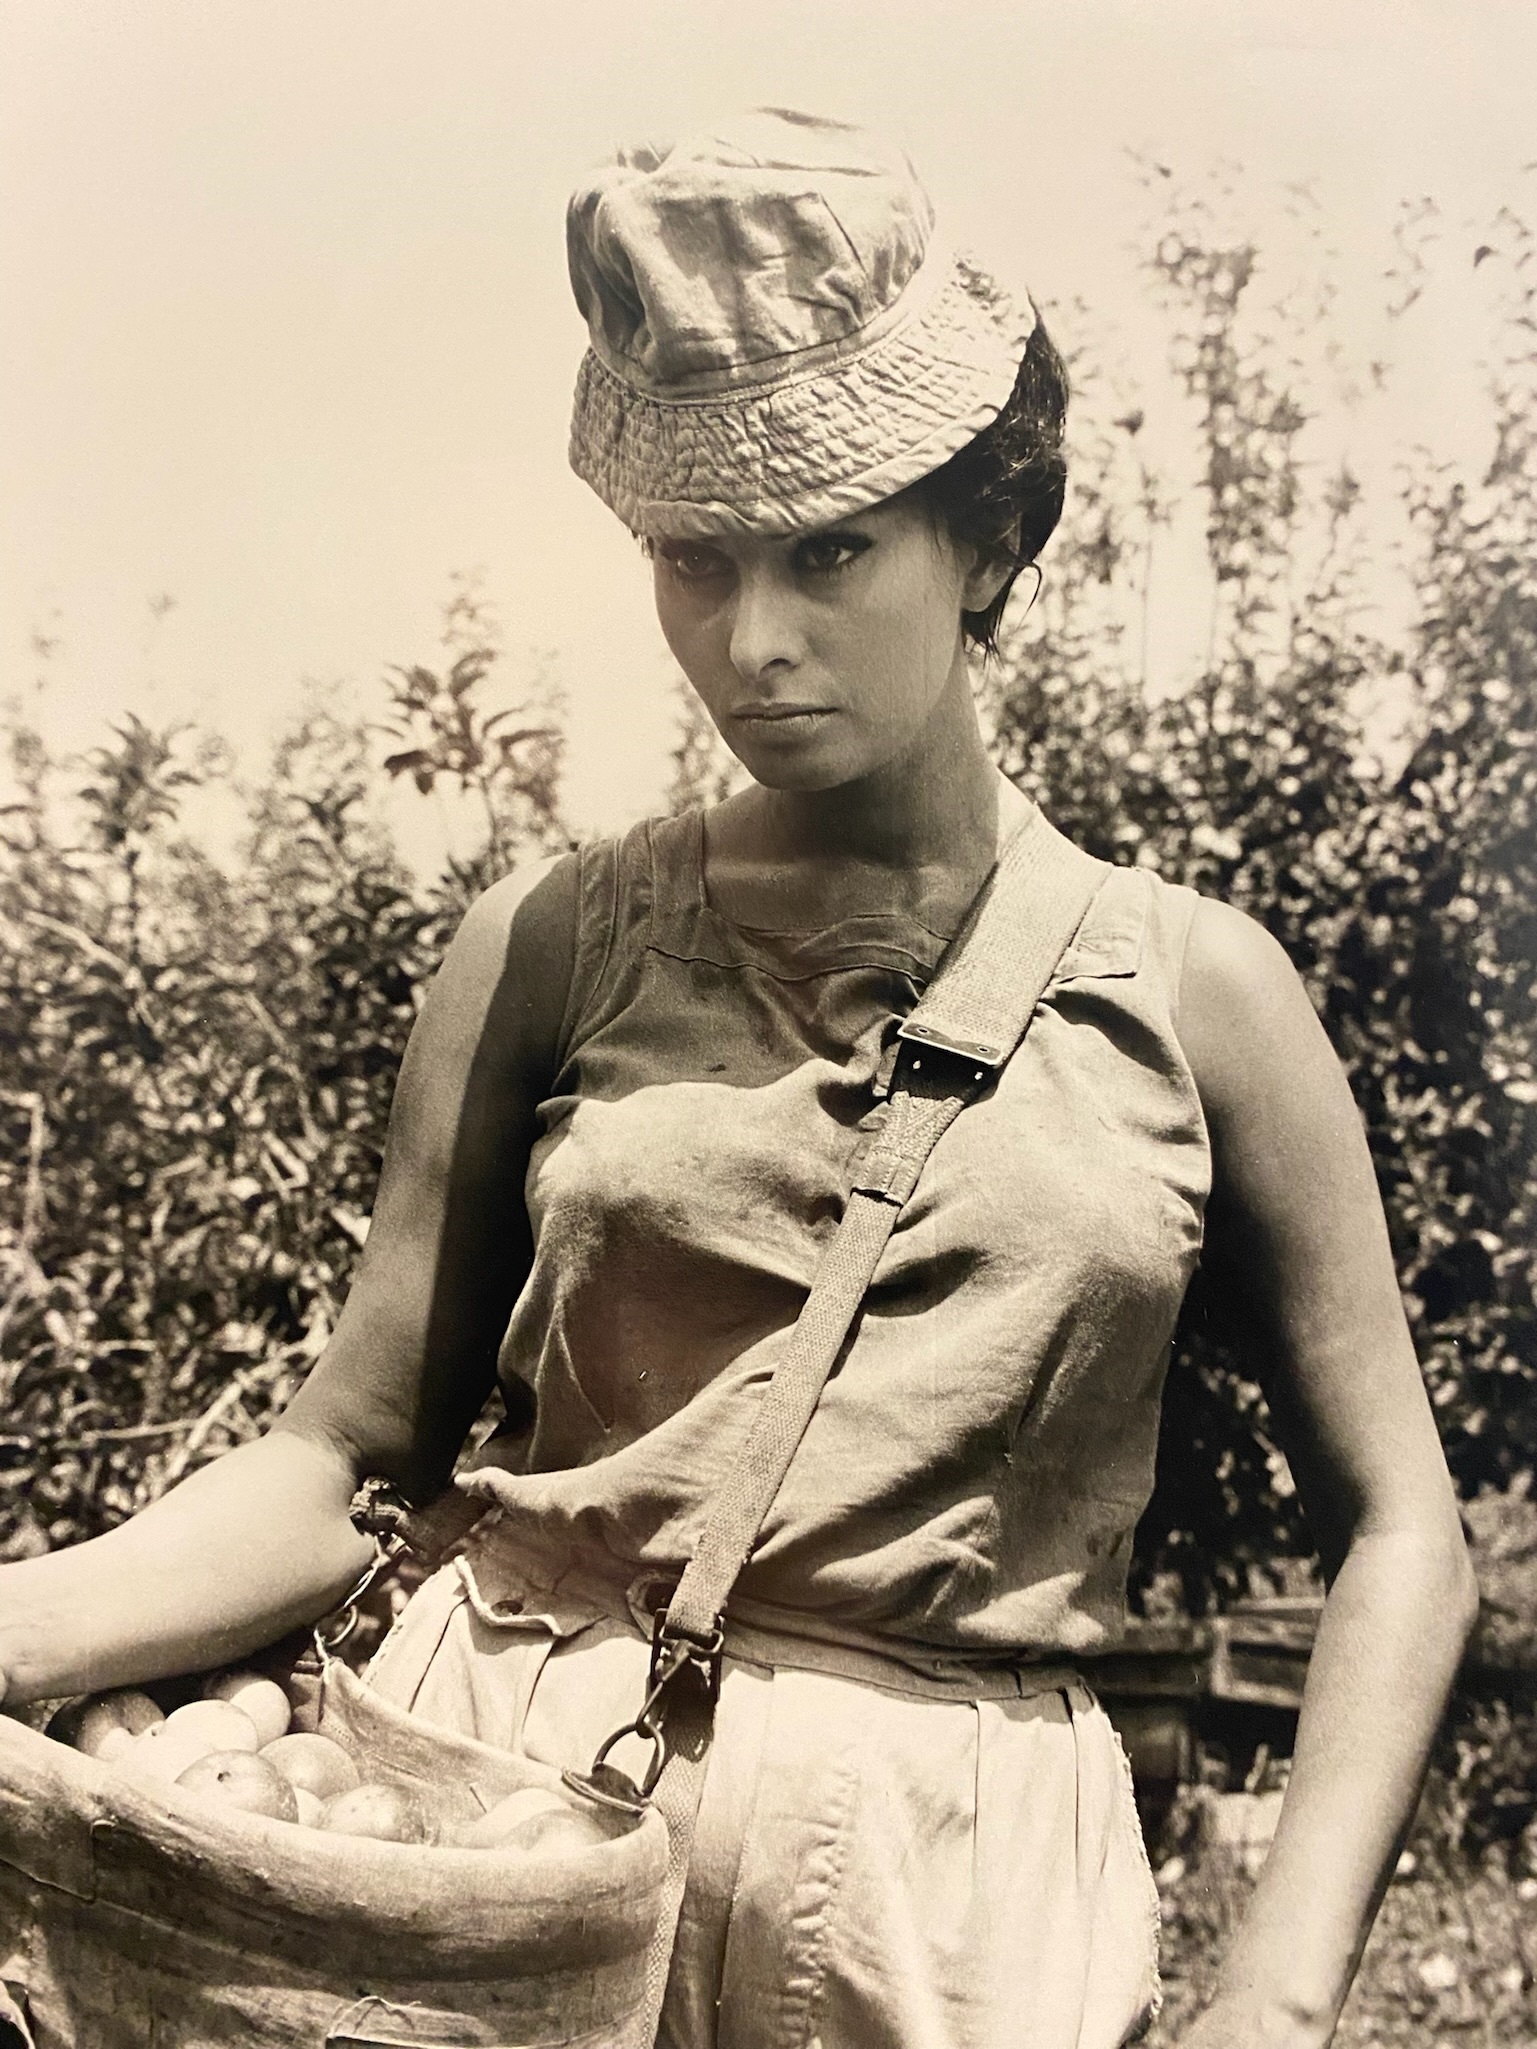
{"points": [[259, 1541]]}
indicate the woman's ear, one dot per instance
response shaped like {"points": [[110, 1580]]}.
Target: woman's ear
{"points": [[993, 565]]}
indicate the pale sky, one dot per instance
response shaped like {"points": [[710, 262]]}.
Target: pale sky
{"points": [[285, 332]]}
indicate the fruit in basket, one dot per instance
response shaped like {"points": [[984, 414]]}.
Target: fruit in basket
{"points": [[302, 1686], [551, 1834], [225, 1726], [241, 1779], [106, 1723], [491, 1831], [310, 1807], [262, 1699], [392, 1814], [313, 1763], [187, 1733]]}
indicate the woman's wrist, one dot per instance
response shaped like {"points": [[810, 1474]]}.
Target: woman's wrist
{"points": [[1249, 2020], [248, 1548], [37, 1660]]}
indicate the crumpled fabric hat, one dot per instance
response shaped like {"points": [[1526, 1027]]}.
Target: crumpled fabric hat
{"points": [[777, 336]]}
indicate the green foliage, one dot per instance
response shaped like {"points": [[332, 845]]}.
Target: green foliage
{"points": [[199, 1056], [199, 1063], [512, 766], [1406, 896], [1482, 1789]]}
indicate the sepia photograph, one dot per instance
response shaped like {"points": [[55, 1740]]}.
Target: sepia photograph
{"points": [[768, 1025]]}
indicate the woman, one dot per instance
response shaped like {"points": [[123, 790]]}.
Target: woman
{"points": [[621, 1141]]}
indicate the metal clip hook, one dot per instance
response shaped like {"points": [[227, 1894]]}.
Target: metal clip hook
{"points": [[333, 1631], [673, 1648], [671, 1651]]}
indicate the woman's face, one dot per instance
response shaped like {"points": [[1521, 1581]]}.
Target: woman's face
{"points": [[821, 656]]}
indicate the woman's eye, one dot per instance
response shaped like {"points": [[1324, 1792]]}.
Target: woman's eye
{"points": [[823, 554], [693, 564]]}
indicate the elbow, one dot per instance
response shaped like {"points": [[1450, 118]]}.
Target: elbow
{"points": [[1465, 1598], [1425, 1566], [1456, 1582], [1452, 1585]]}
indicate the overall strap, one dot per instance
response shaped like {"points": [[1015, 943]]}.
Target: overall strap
{"points": [[968, 1022]]}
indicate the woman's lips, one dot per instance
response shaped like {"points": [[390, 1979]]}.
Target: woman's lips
{"points": [[784, 718]]}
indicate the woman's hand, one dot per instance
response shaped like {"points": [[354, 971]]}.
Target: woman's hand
{"points": [[1297, 1245], [1230, 2024]]}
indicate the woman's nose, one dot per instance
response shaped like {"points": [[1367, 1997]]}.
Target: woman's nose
{"points": [[764, 630]]}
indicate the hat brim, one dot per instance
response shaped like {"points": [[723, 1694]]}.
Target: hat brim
{"points": [[813, 448]]}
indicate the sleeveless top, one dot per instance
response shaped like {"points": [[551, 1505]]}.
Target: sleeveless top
{"points": [[972, 1476]]}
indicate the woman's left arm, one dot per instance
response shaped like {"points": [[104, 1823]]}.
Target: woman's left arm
{"points": [[1297, 1242]]}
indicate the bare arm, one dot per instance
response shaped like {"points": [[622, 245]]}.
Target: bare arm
{"points": [[1297, 1241], [259, 1541]]}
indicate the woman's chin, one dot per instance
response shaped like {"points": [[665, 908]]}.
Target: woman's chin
{"points": [[808, 769], [775, 776], [779, 775]]}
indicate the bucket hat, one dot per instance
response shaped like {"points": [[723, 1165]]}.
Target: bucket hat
{"points": [[777, 335]]}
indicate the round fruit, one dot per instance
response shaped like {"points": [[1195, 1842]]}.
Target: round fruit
{"points": [[302, 1687], [188, 1733], [225, 1726], [156, 1755], [262, 1699], [557, 1835], [108, 1743], [313, 1763], [491, 1831], [310, 1806], [393, 1814], [106, 1722], [240, 1779]]}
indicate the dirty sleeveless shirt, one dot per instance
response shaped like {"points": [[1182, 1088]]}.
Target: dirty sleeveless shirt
{"points": [[972, 1476]]}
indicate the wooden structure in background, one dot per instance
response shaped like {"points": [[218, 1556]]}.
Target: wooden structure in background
{"points": [[1180, 1690]]}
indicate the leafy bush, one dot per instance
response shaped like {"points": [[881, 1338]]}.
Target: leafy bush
{"points": [[1406, 897], [1482, 1789], [1502, 1529], [199, 1056], [199, 1065]]}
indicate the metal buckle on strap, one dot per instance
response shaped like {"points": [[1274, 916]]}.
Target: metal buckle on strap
{"points": [[672, 1651], [964, 1049], [904, 1058], [669, 1642]]}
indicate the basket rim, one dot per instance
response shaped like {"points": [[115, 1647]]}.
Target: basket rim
{"points": [[74, 1824]]}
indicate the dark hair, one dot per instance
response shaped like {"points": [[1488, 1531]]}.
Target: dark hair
{"points": [[1003, 491]]}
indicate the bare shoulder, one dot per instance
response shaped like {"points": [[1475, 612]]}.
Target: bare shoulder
{"points": [[1253, 1039], [531, 911], [1233, 965], [509, 965]]}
